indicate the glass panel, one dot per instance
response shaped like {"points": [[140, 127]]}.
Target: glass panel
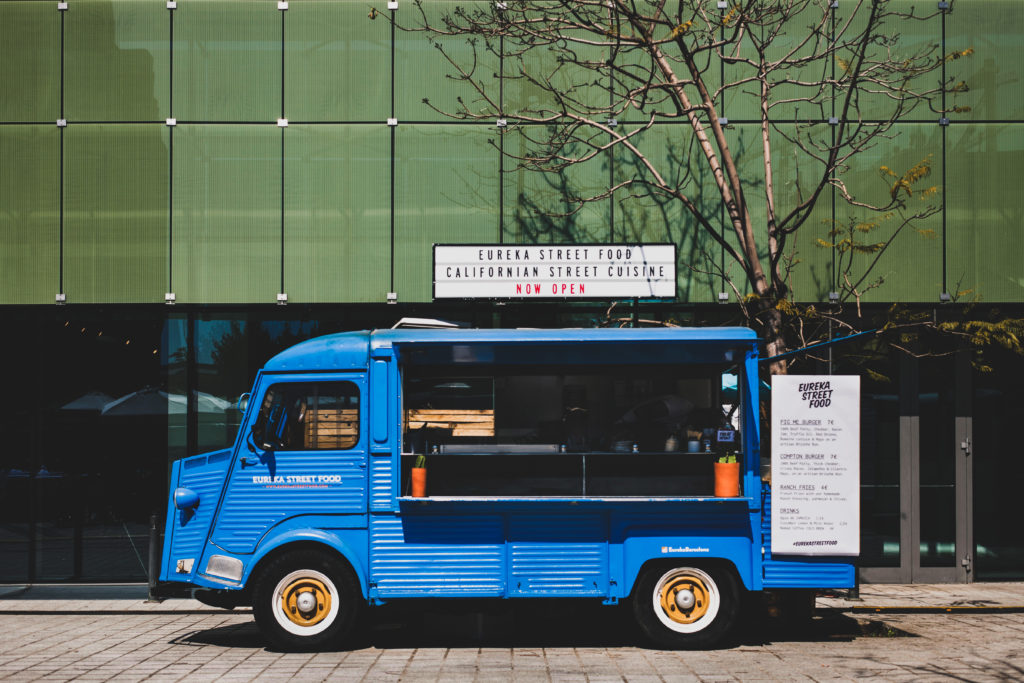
{"points": [[103, 450], [879, 450], [642, 215], [998, 468], [117, 61], [308, 417], [984, 210], [808, 101], [30, 61], [911, 268], [229, 352], [446, 191], [938, 463], [337, 232], [337, 63], [29, 220], [115, 221], [227, 213], [227, 61], [992, 74], [545, 207], [423, 72]]}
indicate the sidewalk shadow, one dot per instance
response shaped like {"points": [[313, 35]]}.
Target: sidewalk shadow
{"points": [[537, 624]]}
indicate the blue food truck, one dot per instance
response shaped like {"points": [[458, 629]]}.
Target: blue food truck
{"points": [[559, 463]]}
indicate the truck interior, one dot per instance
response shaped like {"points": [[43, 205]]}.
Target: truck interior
{"points": [[568, 429]]}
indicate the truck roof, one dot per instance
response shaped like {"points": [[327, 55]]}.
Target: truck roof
{"points": [[351, 350]]}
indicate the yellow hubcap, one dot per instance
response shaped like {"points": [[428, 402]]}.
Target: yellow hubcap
{"points": [[306, 601], [677, 603]]}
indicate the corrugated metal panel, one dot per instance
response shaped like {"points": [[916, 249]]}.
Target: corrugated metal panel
{"points": [[799, 573], [189, 535], [450, 555], [252, 505], [550, 554], [780, 574], [381, 482]]}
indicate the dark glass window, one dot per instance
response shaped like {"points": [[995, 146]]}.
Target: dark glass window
{"points": [[309, 417]]}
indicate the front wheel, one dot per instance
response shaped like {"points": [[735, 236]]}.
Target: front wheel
{"points": [[686, 607], [306, 600]]}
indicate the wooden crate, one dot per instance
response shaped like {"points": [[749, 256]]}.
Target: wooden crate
{"points": [[332, 428], [461, 422]]}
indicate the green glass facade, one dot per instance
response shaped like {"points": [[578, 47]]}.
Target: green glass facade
{"points": [[228, 207], [175, 173]]}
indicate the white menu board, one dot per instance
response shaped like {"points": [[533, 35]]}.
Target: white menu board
{"points": [[815, 465]]}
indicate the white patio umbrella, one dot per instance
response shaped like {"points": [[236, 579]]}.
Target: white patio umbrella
{"points": [[153, 401]]}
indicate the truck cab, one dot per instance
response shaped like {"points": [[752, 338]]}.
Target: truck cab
{"points": [[558, 463]]}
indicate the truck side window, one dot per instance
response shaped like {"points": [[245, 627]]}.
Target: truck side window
{"points": [[309, 416]]}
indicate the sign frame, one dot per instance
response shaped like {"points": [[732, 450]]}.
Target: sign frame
{"points": [[551, 298]]}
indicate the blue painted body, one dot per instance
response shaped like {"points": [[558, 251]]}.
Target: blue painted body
{"points": [[470, 546]]}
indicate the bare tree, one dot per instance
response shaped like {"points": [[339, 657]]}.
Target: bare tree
{"points": [[829, 83]]}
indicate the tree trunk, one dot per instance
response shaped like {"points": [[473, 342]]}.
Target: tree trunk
{"points": [[775, 343]]}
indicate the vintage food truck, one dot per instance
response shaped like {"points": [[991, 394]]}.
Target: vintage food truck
{"points": [[559, 463]]}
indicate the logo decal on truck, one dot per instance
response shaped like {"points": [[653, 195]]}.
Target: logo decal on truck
{"points": [[686, 549], [297, 481]]}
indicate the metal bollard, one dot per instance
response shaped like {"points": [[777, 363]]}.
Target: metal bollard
{"points": [[154, 559]]}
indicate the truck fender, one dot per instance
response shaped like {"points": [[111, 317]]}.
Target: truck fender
{"points": [[683, 550], [333, 539]]}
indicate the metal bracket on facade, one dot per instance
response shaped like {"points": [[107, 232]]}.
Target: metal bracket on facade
{"points": [[833, 297], [723, 4], [392, 297], [392, 122], [282, 298], [169, 298], [172, 122], [833, 120], [62, 7], [834, 4], [723, 297], [282, 5], [945, 298], [172, 4], [392, 4], [611, 123], [944, 4], [62, 123], [723, 121], [965, 445], [943, 121], [282, 123], [61, 299], [501, 5], [501, 123]]}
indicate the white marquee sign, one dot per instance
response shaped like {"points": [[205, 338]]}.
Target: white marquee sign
{"points": [[578, 271]]}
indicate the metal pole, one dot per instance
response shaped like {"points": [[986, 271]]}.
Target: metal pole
{"points": [[154, 559]]}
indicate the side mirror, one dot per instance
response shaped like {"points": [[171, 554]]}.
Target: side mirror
{"points": [[243, 402]]}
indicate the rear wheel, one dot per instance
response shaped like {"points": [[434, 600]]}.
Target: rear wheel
{"points": [[686, 607], [306, 600]]}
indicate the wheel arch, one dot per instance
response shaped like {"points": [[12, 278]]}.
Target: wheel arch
{"points": [[313, 539], [665, 563]]}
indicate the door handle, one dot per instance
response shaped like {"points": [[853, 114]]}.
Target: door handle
{"points": [[248, 462]]}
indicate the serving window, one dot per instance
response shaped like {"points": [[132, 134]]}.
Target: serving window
{"points": [[636, 430]]}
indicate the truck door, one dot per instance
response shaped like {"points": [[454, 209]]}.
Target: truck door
{"points": [[303, 452]]}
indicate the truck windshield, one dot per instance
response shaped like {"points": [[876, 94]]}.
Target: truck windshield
{"points": [[302, 416]]}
